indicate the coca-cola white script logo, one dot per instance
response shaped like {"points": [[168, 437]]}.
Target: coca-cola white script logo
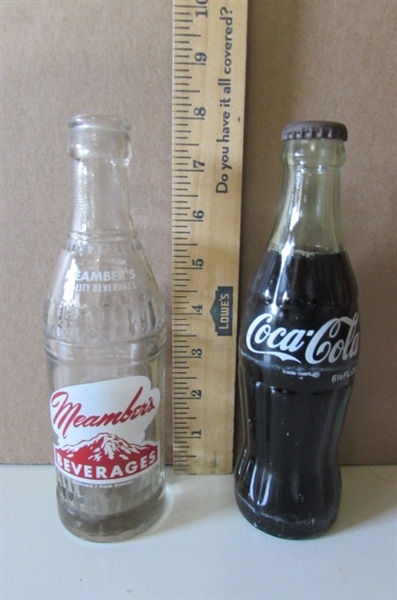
{"points": [[337, 339], [100, 429]]}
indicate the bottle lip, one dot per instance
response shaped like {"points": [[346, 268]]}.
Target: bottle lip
{"points": [[99, 137], [110, 123], [309, 130]]}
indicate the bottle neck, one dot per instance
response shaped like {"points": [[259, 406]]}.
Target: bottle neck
{"points": [[101, 198], [101, 150], [309, 218]]}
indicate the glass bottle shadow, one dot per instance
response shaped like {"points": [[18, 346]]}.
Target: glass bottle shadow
{"points": [[368, 494], [188, 501]]}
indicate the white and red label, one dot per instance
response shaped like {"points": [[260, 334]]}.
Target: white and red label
{"points": [[100, 429]]}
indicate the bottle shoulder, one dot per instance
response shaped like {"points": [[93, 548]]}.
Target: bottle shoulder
{"points": [[304, 279], [103, 292], [109, 265]]}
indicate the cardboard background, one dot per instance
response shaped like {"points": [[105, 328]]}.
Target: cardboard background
{"points": [[307, 59]]}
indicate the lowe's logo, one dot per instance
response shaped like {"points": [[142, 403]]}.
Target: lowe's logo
{"points": [[222, 310]]}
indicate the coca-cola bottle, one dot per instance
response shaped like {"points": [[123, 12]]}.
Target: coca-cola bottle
{"points": [[299, 345], [104, 328]]}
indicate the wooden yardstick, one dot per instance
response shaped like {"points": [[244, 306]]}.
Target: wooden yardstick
{"points": [[209, 56]]}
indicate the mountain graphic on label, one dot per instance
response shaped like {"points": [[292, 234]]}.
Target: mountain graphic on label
{"points": [[109, 456]]}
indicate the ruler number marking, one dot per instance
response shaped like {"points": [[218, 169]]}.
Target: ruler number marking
{"points": [[206, 117]]}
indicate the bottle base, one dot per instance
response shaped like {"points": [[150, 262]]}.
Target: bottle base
{"points": [[113, 528], [282, 527]]}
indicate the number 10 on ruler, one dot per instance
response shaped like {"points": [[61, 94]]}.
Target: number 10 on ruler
{"points": [[209, 44]]}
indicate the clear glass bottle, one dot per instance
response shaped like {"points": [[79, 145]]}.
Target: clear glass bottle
{"points": [[104, 329], [299, 346]]}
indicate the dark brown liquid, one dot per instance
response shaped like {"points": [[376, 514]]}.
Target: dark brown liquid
{"points": [[287, 477]]}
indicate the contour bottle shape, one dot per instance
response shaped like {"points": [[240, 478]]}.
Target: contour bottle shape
{"points": [[299, 346]]}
